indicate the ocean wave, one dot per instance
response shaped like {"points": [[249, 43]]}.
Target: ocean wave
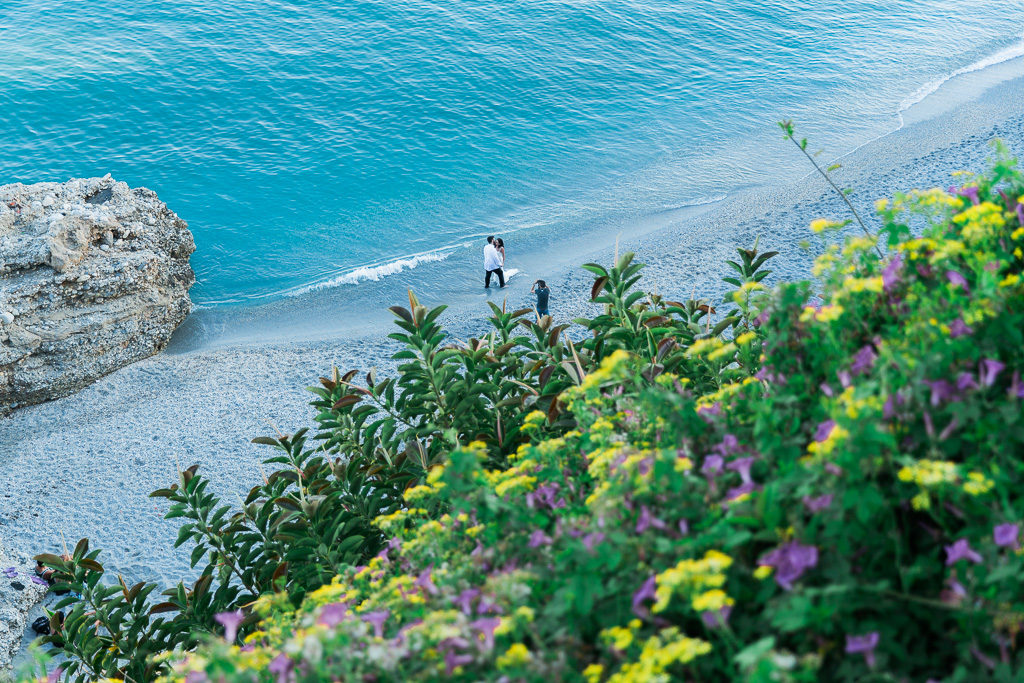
{"points": [[373, 272], [1004, 55]]}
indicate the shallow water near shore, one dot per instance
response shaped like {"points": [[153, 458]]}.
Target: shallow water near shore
{"points": [[320, 145]]}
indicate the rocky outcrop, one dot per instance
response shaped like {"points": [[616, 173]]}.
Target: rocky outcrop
{"points": [[94, 275], [19, 592]]}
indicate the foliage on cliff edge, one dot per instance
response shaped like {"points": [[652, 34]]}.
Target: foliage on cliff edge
{"points": [[823, 491]]}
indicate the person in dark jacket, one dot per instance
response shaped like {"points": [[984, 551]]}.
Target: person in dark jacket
{"points": [[540, 288]]}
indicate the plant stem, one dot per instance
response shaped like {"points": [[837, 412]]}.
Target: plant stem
{"points": [[842, 195]]}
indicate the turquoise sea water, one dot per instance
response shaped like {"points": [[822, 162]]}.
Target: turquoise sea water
{"points": [[336, 141]]}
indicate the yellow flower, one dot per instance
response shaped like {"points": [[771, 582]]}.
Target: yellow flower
{"points": [[1010, 280], [835, 437], [593, 673], [746, 338], [722, 352], [659, 653], [535, 416], [763, 572], [822, 224], [711, 601], [422, 491], [823, 314], [435, 474], [926, 473], [618, 637], [519, 484], [525, 613], [704, 346], [690, 576], [517, 655], [978, 484], [981, 221]]}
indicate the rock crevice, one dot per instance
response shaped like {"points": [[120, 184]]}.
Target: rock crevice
{"points": [[94, 275]]}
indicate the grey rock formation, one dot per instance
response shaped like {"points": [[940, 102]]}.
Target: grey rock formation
{"points": [[18, 594], [94, 275]]}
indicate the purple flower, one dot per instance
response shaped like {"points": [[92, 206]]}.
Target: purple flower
{"points": [[863, 360], [684, 527], [941, 391], [453, 660], [545, 495], [891, 274], [958, 328], [646, 520], [949, 429], [712, 465], [486, 626], [487, 606], [956, 591], [55, 675], [982, 657], [961, 550], [823, 430], [729, 445], [715, 409], [1006, 535], [827, 390], [1020, 214], [282, 666], [333, 614], [818, 504], [844, 378], [833, 468], [989, 370], [790, 562], [716, 618], [967, 192], [538, 538], [425, 582], [957, 280], [645, 592], [741, 490], [592, 539], [11, 572], [965, 381], [865, 645], [889, 409], [230, 621], [1016, 389], [191, 677], [377, 619], [742, 465], [36, 579], [464, 600]]}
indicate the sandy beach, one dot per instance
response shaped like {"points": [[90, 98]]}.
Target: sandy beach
{"points": [[83, 466]]}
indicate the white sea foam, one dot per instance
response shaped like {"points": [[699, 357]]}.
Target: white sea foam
{"points": [[374, 272], [1004, 55]]}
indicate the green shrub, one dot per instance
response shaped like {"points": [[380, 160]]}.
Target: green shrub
{"points": [[796, 493]]}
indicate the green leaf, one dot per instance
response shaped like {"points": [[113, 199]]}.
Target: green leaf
{"points": [[748, 657]]}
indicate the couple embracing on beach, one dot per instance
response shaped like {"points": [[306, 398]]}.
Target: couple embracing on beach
{"points": [[494, 261], [494, 264]]}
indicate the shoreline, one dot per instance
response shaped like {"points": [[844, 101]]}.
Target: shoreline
{"points": [[85, 464]]}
